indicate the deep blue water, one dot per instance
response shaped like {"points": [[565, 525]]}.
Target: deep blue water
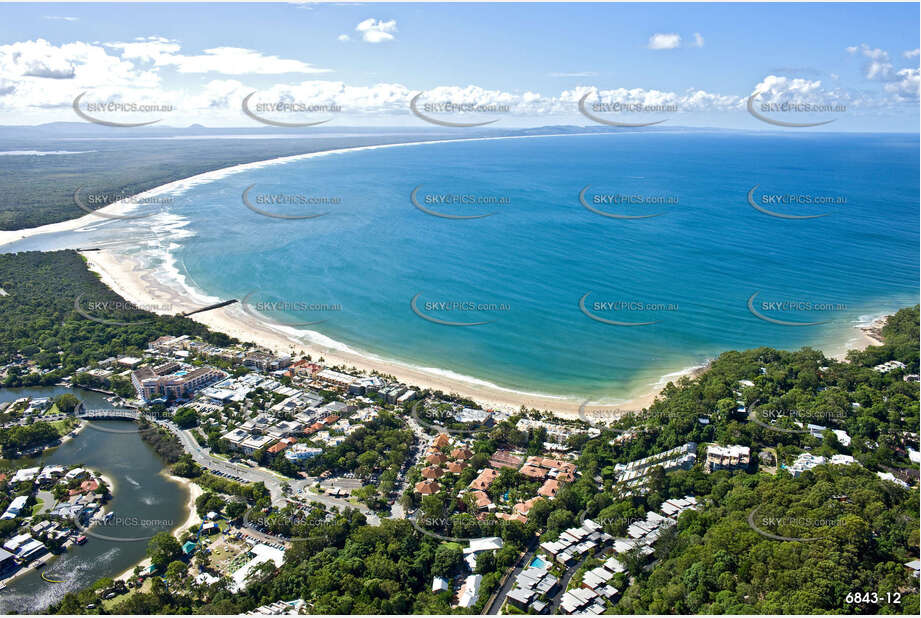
{"points": [[704, 256]]}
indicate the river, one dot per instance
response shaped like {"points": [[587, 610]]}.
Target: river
{"points": [[144, 501]]}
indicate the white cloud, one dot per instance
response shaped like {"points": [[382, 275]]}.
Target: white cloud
{"points": [[698, 40], [225, 60], [902, 83], [377, 30], [664, 41], [60, 18], [912, 53], [344, 37]]}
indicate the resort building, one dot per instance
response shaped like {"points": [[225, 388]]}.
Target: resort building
{"points": [[150, 385], [732, 457]]}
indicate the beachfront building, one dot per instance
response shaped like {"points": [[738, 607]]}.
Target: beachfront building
{"points": [[265, 362], [149, 384]]}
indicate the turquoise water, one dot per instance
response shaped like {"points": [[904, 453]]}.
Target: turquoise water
{"points": [[540, 251], [538, 563]]}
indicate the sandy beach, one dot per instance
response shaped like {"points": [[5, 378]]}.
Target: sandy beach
{"points": [[121, 273], [124, 277]]}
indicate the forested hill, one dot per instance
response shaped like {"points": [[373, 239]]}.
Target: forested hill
{"points": [[39, 320], [849, 532]]}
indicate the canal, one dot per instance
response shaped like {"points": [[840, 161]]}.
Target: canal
{"points": [[144, 502]]}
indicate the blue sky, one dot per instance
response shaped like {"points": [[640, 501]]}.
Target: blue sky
{"points": [[537, 60]]}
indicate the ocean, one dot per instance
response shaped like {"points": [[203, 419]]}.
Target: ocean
{"points": [[603, 264]]}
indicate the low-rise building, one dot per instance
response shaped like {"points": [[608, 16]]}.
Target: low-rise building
{"points": [[731, 457]]}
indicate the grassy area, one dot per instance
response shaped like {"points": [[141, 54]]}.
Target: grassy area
{"points": [[109, 604], [38, 506]]}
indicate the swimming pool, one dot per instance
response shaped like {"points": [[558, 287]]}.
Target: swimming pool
{"points": [[538, 563]]}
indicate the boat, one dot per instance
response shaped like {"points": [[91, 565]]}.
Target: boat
{"points": [[108, 516], [81, 539]]}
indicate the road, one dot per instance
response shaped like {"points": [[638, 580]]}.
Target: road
{"points": [[273, 483], [510, 582], [564, 582], [399, 488]]}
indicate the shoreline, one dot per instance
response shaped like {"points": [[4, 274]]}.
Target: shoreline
{"points": [[192, 519], [122, 274], [126, 205]]}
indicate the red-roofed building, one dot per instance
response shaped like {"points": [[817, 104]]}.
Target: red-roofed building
{"points": [[427, 488], [525, 507], [442, 440], [481, 500], [532, 471], [485, 479], [85, 486], [505, 459], [512, 517], [549, 488], [462, 454], [280, 445], [329, 420], [456, 467], [432, 472], [436, 459]]}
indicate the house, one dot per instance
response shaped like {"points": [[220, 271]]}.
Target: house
{"points": [[432, 472], [436, 459], [456, 467], [470, 591], [484, 480], [440, 584], [732, 457], [427, 488], [462, 454], [301, 452], [482, 500], [442, 440], [525, 507], [15, 507], [532, 471], [549, 489], [505, 459]]}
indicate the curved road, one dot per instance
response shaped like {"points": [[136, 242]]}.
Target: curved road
{"points": [[254, 475]]}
